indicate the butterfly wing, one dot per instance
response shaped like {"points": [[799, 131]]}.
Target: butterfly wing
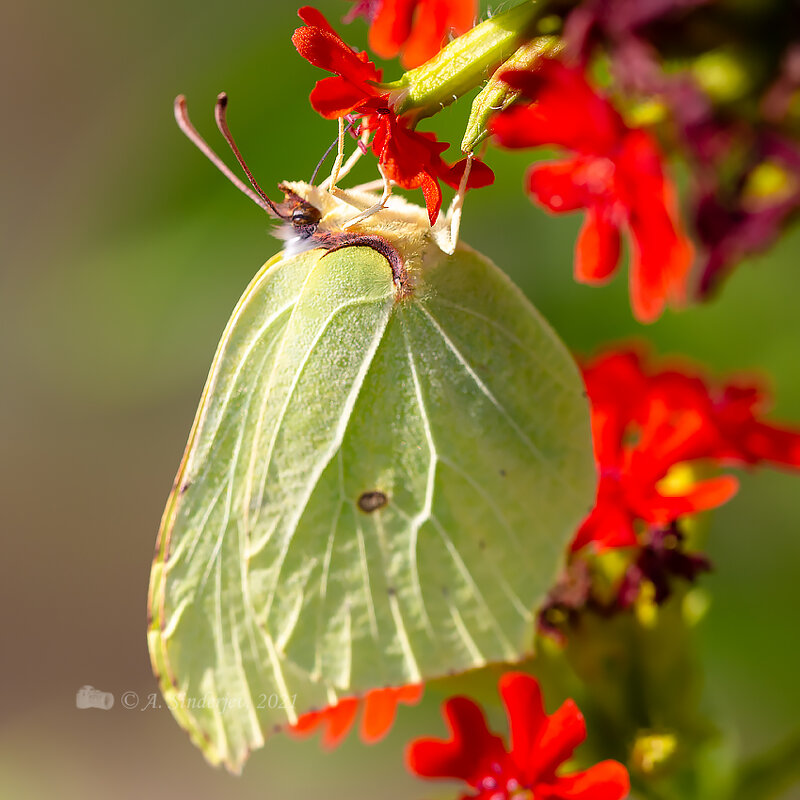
{"points": [[375, 492]]}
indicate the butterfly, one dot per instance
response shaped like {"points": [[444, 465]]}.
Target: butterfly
{"points": [[391, 453]]}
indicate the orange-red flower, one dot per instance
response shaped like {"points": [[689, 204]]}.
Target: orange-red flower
{"points": [[409, 158], [645, 422], [355, 87], [615, 174], [416, 29], [539, 746], [746, 439], [380, 709]]}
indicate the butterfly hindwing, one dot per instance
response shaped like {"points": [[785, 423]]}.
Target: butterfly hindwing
{"points": [[377, 491]]}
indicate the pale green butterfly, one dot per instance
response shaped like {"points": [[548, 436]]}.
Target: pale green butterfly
{"points": [[391, 453]]}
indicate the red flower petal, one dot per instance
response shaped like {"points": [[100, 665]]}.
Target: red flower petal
{"points": [[539, 743], [468, 753], [607, 780], [432, 193], [324, 48], [334, 97], [566, 112], [480, 174], [380, 709], [329, 52], [662, 253], [391, 27], [597, 248], [564, 731], [522, 698], [553, 184], [418, 27], [609, 526], [747, 439], [336, 721], [434, 20], [660, 262], [411, 159], [702, 496], [315, 18], [617, 388], [759, 442]]}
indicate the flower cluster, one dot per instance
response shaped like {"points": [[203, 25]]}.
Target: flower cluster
{"points": [[409, 158], [540, 744], [733, 130], [614, 172], [647, 423], [655, 431]]}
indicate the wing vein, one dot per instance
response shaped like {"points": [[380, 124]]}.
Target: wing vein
{"points": [[419, 519], [469, 578], [508, 335], [336, 444]]}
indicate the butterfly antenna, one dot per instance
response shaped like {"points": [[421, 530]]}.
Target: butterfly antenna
{"points": [[328, 152], [322, 160], [185, 124], [219, 115]]}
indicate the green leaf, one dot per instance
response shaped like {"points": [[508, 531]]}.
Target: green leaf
{"points": [[376, 491]]}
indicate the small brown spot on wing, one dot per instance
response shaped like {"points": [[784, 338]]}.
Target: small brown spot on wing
{"points": [[372, 501]]}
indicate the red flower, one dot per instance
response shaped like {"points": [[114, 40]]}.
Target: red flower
{"points": [[642, 426], [380, 708], [355, 88], [412, 160], [539, 745], [745, 439], [645, 423], [616, 175], [418, 28]]}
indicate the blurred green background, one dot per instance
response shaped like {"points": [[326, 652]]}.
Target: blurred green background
{"points": [[123, 254]]}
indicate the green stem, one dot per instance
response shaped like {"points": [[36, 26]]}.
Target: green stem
{"points": [[465, 63]]}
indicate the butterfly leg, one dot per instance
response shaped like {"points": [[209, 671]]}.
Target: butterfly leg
{"points": [[342, 170], [447, 226], [387, 193]]}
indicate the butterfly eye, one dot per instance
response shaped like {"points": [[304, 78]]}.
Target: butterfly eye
{"points": [[305, 214]]}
